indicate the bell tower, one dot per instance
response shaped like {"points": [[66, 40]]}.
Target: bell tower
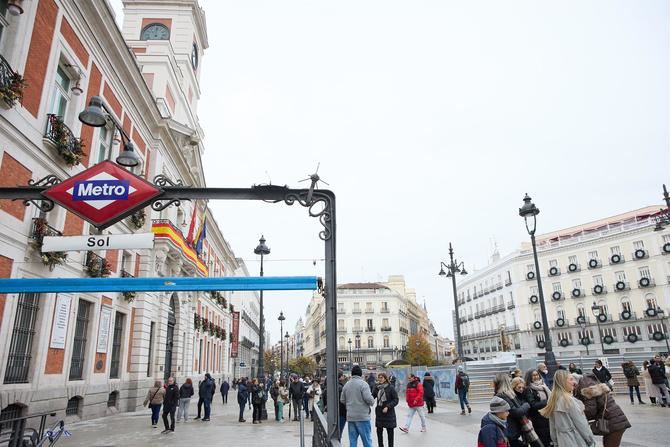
{"points": [[168, 39]]}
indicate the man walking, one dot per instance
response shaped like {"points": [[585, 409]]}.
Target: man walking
{"points": [[170, 403], [242, 397], [225, 387], [657, 373], [462, 386], [205, 396], [296, 392], [357, 397]]}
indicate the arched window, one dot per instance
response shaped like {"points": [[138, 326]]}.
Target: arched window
{"points": [[386, 341], [155, 31], [625, 304], [74, 406], [602, 304], [580, 310], [560, 313], [650, 299], [371, 342], [341, 342]]}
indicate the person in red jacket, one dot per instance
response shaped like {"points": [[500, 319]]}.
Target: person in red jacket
{"points": [[414, 398]]}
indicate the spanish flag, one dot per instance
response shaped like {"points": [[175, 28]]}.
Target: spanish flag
{"points": [[201, 235]]}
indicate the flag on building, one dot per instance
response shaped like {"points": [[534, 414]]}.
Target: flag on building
{"points": [[191, 228], [201, 236]]}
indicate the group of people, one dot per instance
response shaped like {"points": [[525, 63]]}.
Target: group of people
{"points": [[569, 409]]}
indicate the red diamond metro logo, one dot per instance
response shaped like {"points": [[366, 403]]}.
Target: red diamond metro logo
{"points": [[103, 194]]}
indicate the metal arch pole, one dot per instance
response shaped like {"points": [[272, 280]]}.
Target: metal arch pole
{"points": [[330, 288], [452, 270]]}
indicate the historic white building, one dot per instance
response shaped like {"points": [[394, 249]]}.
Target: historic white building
{"points": [[613, 272]]}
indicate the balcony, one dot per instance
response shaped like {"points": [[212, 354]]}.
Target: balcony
{"points": [[126, 274], [554, 271], [470, 317], [557, 295], [356, 311], [341, 312], [63, 140], [41, 228], [577, 293], [369, 310], [511, 305], [599, 289], [508, 282], [621, 286], [11, 84], [166, 233], [616, 259], [370, 329], [582, 319], [499, 308], [499, 286], [627, 316], [341, 330], [595, 263], [530, 276], [573, 268], [386, 329], [385, 310], [96, 266], [646, 282], [640, 253]]}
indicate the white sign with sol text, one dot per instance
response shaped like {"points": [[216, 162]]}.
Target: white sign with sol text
{"points": [[60, 321], [98, 242], [103, 330]]}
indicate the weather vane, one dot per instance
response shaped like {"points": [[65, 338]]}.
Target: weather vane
{"points": [[315, 179]]}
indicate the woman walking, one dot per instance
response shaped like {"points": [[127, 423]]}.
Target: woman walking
{"points": [[414, 398], [569, 426], [314, 393], [631, 372], [429, 391], [283, 399], [502, 386], [257, 399], [649, 388], [387, 399], [154, 398], [599, 404], [537, 394], [185, 394]]}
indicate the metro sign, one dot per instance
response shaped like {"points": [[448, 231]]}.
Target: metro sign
{"points": [[103, 194]]}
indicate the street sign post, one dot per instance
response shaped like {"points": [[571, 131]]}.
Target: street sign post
{"points": [[97, 242], [103, 194]]}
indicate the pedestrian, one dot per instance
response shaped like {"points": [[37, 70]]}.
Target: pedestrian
{"points": [[429, 392], [274, 394], [631, 372], [537, 394], [257, 395], [600, 404], [170, 404], [205, 393], [154, 399], [305, 397], [658, 379], [544, 373], [603, 374], [572, 367], [528, 434], [502, 387], [225, 387], [185, 394], [516, 372], [414, 399], [372, 382], [242, 397], [296, 393], [652, 392], [462, 386], [493, 429], [385, 418], [283, 399], [569, 426], [314, 393], [357, 397]]}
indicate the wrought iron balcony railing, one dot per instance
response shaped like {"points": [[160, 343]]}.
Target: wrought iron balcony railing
{"points": [[68, 146], [11, 83]]}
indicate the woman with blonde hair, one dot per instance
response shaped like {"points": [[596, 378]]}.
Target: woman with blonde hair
{"points": [[568, 425], [154, 399]]}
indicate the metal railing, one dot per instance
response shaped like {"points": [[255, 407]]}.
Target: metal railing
{"points": [[61, 136], [40, 229], [320, 436], [14, 433], [9, 81]]}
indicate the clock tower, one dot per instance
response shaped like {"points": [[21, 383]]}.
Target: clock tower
{"points": [[168, 39]]}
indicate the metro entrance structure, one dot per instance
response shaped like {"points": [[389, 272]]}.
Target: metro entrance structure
{"points": [[320, 205]]}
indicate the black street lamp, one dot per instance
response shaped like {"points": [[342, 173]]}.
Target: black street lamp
{"points": [[358, 347], [437, 358], [351, 363], [597, 312], [287, 351], [660, 313], [663, 218], [96, 114], [529, 213], [452, 268], [262, 250], [281, 343], [585, 340]]}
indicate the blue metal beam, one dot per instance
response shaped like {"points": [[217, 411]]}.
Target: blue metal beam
{"points": [[178, 284]]}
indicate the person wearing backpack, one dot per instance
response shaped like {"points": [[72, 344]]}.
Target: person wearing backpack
{"points": [[462, 386], [631, 372], [257, 400]]}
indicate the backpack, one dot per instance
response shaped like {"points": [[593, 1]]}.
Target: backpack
{"points": [[259, 395], [465, 380]]}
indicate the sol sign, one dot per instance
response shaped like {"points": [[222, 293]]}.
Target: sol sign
{"points": [[103, 194]]}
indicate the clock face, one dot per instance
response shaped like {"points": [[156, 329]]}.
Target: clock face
{"points": [[194, 57], [156, 31]]}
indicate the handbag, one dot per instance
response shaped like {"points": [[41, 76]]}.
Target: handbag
{"points": [[527, 431], [601, 426]]}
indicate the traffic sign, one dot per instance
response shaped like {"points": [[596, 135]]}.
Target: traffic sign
{"points": [[97, 242], [103, 194]]}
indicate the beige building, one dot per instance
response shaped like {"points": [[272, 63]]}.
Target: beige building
{"points": [[610, 273]]}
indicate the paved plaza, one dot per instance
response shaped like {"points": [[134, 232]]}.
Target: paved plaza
{"points": [[446, 425]]}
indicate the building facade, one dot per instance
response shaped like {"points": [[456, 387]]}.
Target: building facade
{"points": [[91, 354], [604, 283]]}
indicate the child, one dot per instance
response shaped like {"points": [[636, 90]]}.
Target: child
{"points": [[494, 425]]}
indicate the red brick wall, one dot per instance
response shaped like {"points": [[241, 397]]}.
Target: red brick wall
{"points": [[112, 257], [87, 131], [55, 361], [112, 100], [5, 272], [137, 265], [139, 142], [74, 42], [126, 123], [74, 226], [13, 173], [38, 54]]}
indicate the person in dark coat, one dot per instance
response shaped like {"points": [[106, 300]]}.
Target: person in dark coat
{"points": [[296, 393], [631, 372], [602, 374], [242, 397], [502, 386], [658, 379], [429, 391], [185, 394], [170, 404], [205, 392], [387, 399], [225, 387], [537, 394], [372, 382], [492, 432], [572, 367], [257, 396], [594, 395]]}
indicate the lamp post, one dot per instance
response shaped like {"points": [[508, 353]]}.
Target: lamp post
{"points": [[588, 341], [281, 343], [351, 363], [437, 358], [358, 346], [597, 311], [96, 114], [663, 218], [529, 213], [661, 316], [452, 268], [262, 250], [287, 351]]}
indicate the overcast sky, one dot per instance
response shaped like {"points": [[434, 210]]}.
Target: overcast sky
{"points": [[430, 119]]}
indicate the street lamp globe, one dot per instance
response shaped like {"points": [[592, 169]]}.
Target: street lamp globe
{"points": [[128, 157], [262, 249], [527, 211], [442, 273], [94, 115], [281, 316]]}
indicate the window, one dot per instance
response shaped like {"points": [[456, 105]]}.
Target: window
{"points": [[116, 345], [604, 332], [580, 310], [8, 413], [556, 286], [577, 283], [602, 305], [152, 330], [357, 343], [650, 299], [593, 254], [638, 245], [340, 325], [369, 323], [598, 280], [666, 238], [615, 250], [368, 308], [155, 31], [553, 263], [386, 341], [572, 259], [371, 342], [79, 345], [385, 306], [530, 267], [560, 313], [113, 399], [625, 305], [627, 330], [3, 18], [357, 325], [194, 56], [340, 308], [105, 138], [357, 308], [340, 343], [620, 276], [73, 405], [21, 344], [61, 94], [533, 290], [385, 322], [645, 273]]}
